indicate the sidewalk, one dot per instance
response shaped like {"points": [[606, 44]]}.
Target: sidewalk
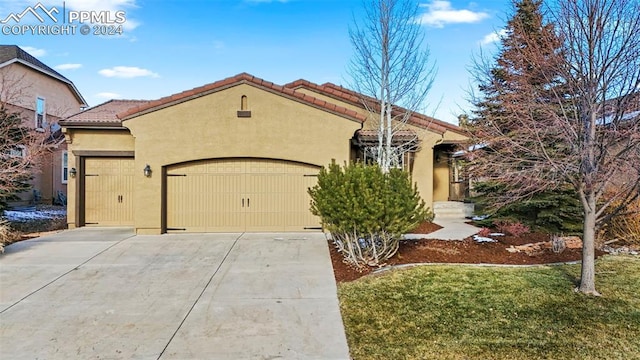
{"points": [[452, 229]]}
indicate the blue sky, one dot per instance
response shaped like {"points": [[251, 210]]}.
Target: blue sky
{"points": [[171, 46]]}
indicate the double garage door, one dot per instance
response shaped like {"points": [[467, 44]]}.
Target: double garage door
{"points": [[236, 195]]}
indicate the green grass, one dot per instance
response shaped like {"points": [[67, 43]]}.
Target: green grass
{"points": [[453, 312]]}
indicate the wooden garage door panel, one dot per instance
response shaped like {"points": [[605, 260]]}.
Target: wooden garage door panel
{"points": [[109, 191], [240, 195], [204, 203]]}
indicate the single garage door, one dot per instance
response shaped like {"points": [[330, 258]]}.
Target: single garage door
{"points": [[108, 184], [236, 195]]}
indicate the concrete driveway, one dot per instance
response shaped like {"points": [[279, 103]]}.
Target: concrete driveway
{"points": [[108, 294]]}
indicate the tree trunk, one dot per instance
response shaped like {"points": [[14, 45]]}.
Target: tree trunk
{"points": [[389, 136], [587, 278]]}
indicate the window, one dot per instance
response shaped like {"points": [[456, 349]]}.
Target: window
{"points": [[19, 151], [40, 113], [457, 170], [243, 102], [65, 167]]}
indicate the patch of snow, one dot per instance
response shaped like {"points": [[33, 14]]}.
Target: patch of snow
{"points": [[34, 215], [479, 217], [625, 117], [482, 239]]}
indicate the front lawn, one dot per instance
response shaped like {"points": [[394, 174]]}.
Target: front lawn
{"points": [[460, 312]]}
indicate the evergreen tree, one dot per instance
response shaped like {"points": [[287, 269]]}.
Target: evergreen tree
{"points": [[513, 78]]}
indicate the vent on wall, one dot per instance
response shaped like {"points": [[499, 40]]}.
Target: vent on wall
{"points": [[244, 107]]}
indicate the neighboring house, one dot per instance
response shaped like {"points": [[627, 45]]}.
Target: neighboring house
{"points": [[235, 155], [42, 96]]}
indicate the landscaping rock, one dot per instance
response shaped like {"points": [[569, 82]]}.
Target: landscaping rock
{"points": [[622, 250], [533, 249]]}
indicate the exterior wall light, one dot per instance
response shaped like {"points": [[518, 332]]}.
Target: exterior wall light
{"points": [[147, 171], [73, 172]]}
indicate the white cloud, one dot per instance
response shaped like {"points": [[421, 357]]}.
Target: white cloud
{"points": [[108, 95], [67, 66], [440, 12], [34, 51], [127, 72], [493, 37]]}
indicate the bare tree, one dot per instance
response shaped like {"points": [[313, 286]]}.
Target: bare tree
{"points": [[391, 67], [21, 146], [581, 127]]}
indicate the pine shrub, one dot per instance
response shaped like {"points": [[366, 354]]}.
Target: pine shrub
{"points": [[552, 211], [366, 211]]}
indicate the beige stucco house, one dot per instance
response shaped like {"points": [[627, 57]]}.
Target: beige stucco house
{"points": [[234, 155], [41, 96]]}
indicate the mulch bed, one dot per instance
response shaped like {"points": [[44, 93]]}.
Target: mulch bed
{"points": [[467, 252], [426, 228]]}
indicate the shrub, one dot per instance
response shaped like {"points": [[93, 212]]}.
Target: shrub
{"points": [[512, 228], [626, 226], [366, 211], [558, 244], [485, 232], [7, 235], [40, 225]]}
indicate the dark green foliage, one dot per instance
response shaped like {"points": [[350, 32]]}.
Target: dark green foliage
{"points": [[366, 210], [15, 176], [553, 211], [361, 197]]}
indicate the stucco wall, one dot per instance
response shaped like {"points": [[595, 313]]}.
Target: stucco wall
{"points": [[433, 183], [27, 84], [208, 127]]}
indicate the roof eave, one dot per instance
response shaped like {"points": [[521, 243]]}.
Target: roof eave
{"points": [[340, 90], [69, 83], [90, 125]]}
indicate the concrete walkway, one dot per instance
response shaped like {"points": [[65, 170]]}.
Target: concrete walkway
{"points": [[105, 293], [452, 229]]}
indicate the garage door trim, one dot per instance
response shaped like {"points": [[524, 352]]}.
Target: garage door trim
{"points": [[80, 160]]}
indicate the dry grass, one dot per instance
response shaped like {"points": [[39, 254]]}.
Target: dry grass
{"points": [[453, 312], [626, 228], [7, 234]]}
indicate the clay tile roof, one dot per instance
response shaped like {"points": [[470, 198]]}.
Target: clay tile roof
{"points": [[231, 81], [103, 114], [400, 134], [343, 94]]}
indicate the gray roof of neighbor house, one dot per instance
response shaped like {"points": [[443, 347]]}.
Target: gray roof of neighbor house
{"points": [[102, 115], [10, 54]]}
